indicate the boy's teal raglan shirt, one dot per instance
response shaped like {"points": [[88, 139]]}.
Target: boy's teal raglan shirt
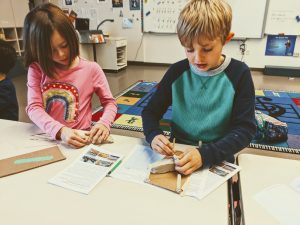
{"points": [[206, 116], [216, 107]]}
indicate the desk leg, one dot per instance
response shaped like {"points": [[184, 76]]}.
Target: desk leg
{"points": [[94, 52]]}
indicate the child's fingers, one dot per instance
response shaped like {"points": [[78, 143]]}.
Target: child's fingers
{"points": [[164, 145], [159, 149], [102, 137], [190, 162], [92, 133], [97, 138], [77, 137], [76, 144]]}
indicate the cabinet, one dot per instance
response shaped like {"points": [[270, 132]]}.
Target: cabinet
{"points": [[113, 54], [12, 15], [13, 35]]}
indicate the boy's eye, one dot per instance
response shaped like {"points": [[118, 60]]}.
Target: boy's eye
{"points": [[190, 50], [207, 49]]}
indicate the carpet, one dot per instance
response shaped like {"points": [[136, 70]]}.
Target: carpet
{"points": [[282, 105]]}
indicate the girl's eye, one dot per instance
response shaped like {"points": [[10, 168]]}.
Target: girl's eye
{"points": [[190, 50]]}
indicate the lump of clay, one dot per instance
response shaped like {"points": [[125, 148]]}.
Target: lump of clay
{"points": [[163, 166]]}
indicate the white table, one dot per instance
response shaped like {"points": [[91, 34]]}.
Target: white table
{"points": [[261, 172], [27, 198]]}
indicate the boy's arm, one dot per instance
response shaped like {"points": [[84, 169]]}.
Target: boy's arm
{"points": [[4, 99], [157, 106], [242, 125]]}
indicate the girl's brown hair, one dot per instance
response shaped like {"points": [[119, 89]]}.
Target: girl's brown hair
{"points": [[204, 18], [39, 25]]}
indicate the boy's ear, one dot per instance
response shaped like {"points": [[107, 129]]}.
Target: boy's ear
{"points": [[229, 37]]}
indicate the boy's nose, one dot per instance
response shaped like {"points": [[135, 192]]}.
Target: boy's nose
{"points": [[198, 58]]}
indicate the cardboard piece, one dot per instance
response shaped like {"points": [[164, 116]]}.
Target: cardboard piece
{"points": [[167, 180], [30, 160]]}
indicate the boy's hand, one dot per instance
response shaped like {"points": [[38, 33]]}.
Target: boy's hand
{"points": [[72, 137], [98, 133], [190, 162], [162, 145]]}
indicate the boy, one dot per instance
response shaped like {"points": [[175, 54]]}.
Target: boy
{"points": [[212, 95], [9, 108]]}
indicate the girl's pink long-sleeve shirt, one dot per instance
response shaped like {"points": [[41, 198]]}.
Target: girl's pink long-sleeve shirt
{"points": [[67, 101]]}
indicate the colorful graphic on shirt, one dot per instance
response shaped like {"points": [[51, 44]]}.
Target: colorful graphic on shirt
{"points": [[65, 94]]}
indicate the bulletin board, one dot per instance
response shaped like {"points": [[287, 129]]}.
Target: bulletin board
{"points": [[283, 17], [161, 16]]}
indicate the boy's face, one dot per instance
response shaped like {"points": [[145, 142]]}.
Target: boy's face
{"points": [[60, 50], [205, 54]]}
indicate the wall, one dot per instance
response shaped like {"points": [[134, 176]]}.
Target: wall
{"points": [[165, 48]]}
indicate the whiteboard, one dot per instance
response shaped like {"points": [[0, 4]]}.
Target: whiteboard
{"points": [[282, 17], [248, 20]]}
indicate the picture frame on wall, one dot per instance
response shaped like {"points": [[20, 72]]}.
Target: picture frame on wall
{"points": [[68, 2], [117, 3], [134, 5]]}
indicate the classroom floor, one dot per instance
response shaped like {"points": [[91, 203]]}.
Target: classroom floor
{"points": [[133, 73]]}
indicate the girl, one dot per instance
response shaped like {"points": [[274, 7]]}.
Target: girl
{"points": [[60, 83]]}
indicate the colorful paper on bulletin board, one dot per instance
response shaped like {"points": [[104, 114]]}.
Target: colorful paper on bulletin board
{"points": [[280, 45]]}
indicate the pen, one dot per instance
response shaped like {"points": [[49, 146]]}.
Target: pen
{"points": [[115, 167]]}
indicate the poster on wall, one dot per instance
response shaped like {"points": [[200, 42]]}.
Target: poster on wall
{"points": [[117, 3], [134, 5], [68, 2], [280, 45]]}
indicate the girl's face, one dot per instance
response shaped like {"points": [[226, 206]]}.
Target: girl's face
{"points": [[60, 50]]}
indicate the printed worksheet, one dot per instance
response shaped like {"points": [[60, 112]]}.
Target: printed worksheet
{"points": [[86, 171], [203, 182], [135, 168]]}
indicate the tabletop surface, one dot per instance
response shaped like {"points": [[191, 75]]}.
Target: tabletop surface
{"points": [[27, 198], [260, 174]]}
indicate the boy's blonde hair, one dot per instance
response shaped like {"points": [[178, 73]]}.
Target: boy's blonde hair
{"points": [[204, 18]]}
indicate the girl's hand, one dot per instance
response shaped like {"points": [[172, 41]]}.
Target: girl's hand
{"points": [[162, 145], [72, 137], [98, 133], [190, 162]]}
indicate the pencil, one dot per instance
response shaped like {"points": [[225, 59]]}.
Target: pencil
{"points": [[178, 183], [174, 146]]}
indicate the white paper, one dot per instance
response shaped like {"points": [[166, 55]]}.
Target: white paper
{"points": [[29, 138], [295, 184], [86, 171], [282, 17], [135, 169], [282, 202], [135, 166], [205, 181]]}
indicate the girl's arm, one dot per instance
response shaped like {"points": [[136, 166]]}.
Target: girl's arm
{"points": [[106, 98], [35, 108]]}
